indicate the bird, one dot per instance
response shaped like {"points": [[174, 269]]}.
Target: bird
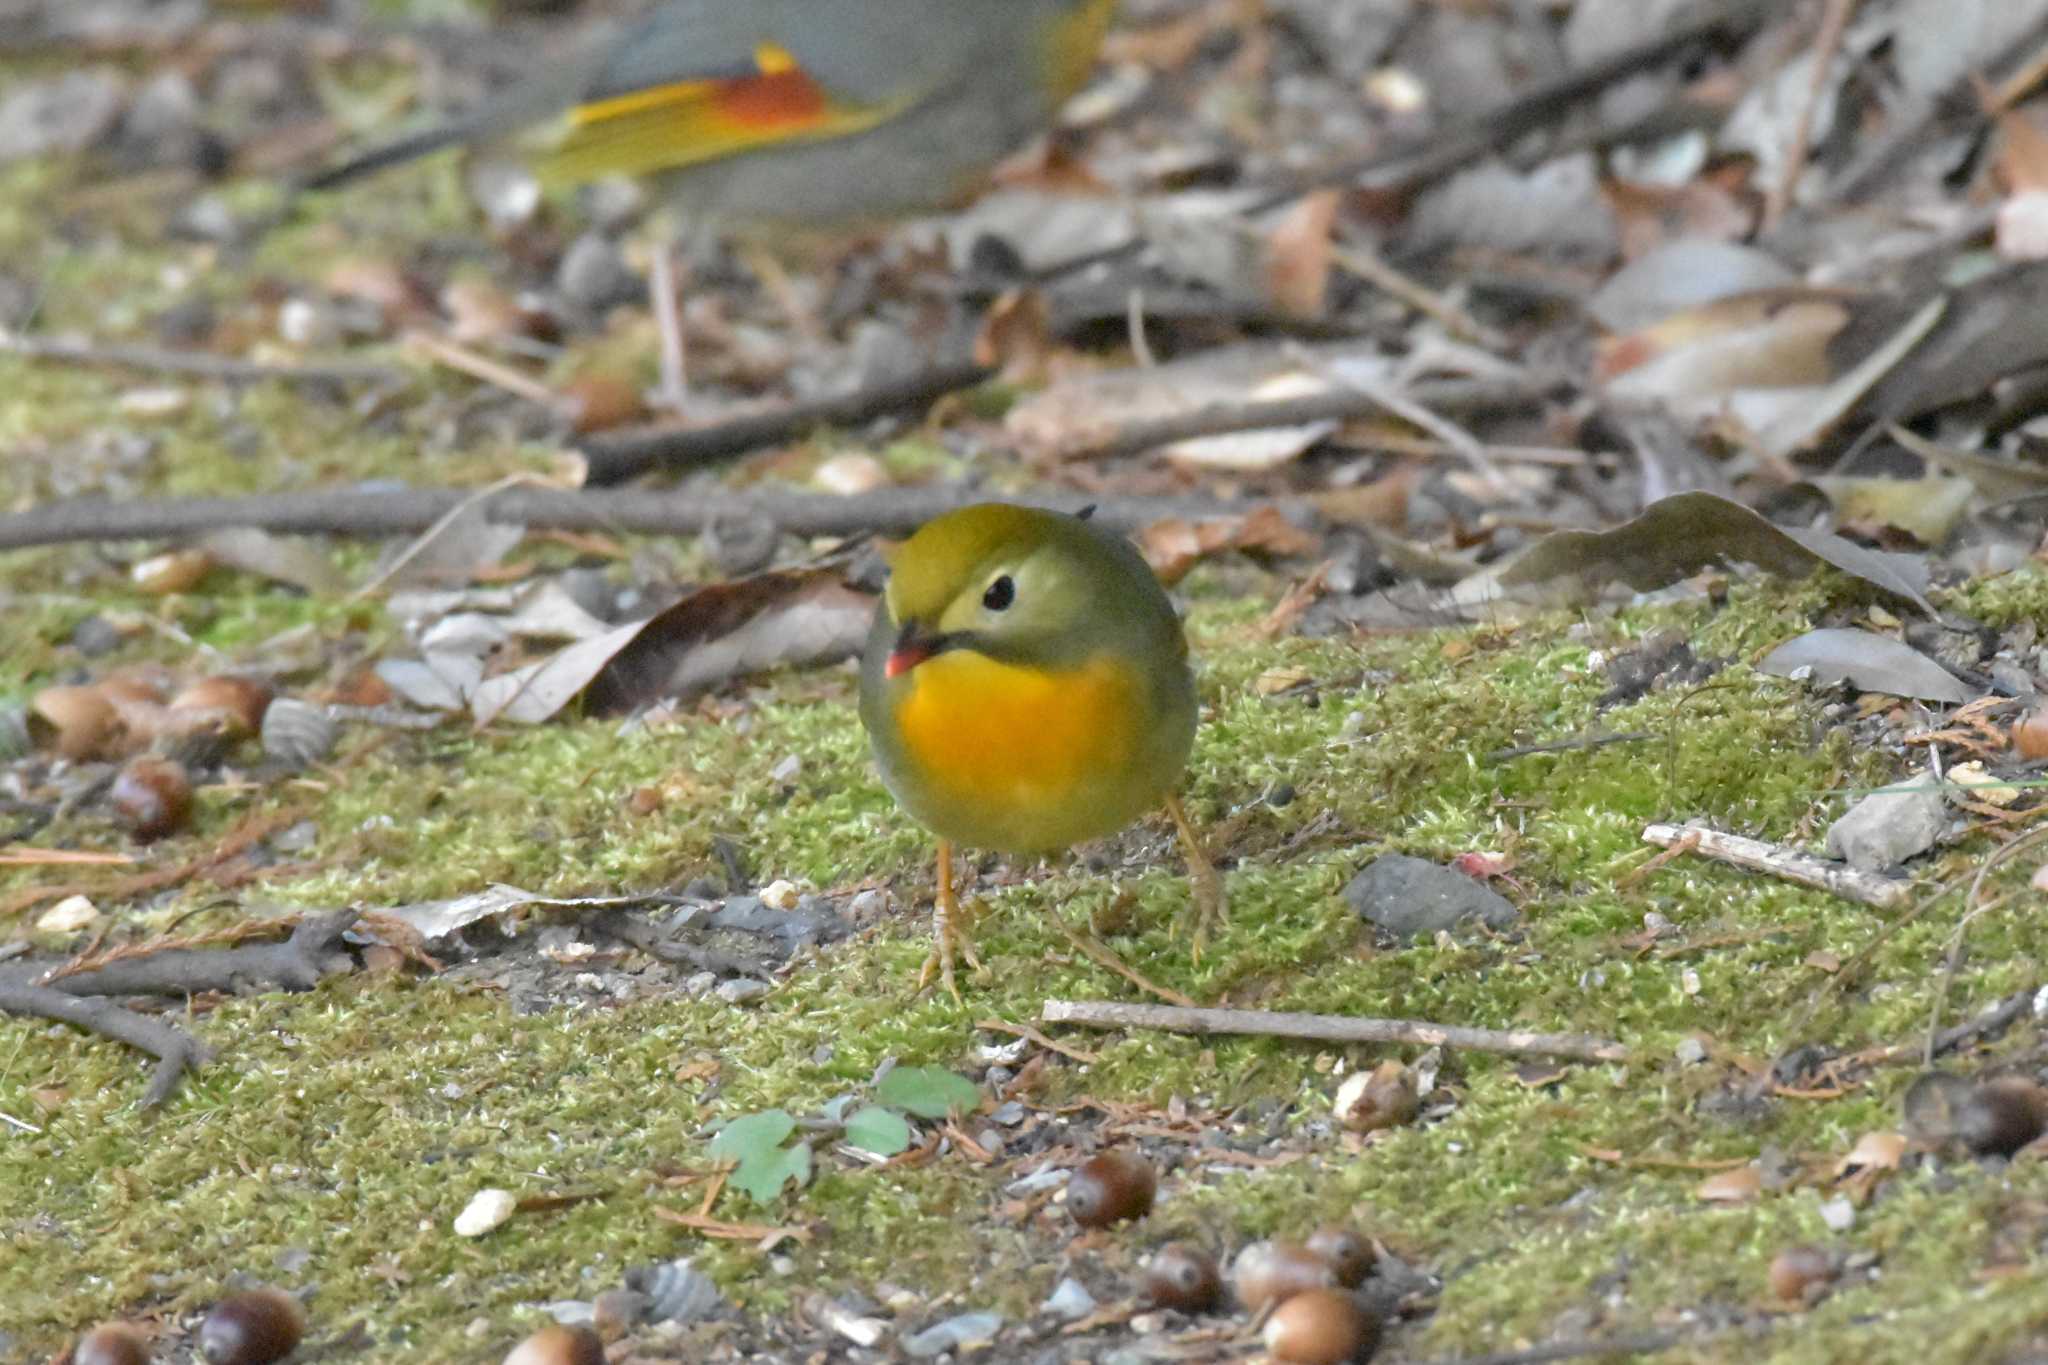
{"points": [[1025, 687], [768, 115]]}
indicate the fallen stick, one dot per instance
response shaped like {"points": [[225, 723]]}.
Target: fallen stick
{"points": [[1335, 1028], [617, 456], [313, 951], [174, 1049], [1787, 864], [398, 511], [196, 364]]}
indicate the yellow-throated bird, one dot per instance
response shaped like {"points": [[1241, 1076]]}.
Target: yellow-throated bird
{"points": [[1025, 688], [794, 111]]}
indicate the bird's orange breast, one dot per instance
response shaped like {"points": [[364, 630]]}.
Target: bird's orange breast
{"points": [[981, 731]]}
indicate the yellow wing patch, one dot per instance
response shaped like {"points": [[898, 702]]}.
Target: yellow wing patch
{"points": [[665, 127], [1026, 739]]}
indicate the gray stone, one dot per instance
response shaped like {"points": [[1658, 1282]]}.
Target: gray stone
{"points": [[965, 1331], [1889, 827], [1414, 898], [1069, 1299]]}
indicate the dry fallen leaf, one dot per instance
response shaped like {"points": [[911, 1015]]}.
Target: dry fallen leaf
{"points": [[715, 634], [1736, 1186], [1298, 255]]}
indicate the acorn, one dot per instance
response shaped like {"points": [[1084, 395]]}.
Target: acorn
{"points": [[75, 721], [1272, 1272], [1110, 1187], [153, 797], [1182, 1276], [1321, 1327], [558, 1345], [1800, 1274], [111, 1343], [1384, 1097], [252, 1328], [238, 702], [2030, 733], [1350, 1253], [2001, 1116]]}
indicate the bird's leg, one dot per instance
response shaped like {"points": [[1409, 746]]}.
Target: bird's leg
{"points": [[1208, 910], [948, 933]]}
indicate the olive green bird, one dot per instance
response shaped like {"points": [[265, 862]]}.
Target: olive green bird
{"points": [[1025, 688]]}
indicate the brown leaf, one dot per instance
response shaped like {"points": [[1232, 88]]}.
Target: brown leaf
{"points": [[1298, 255], [715, 634], [1015, 336], [1175, 545]]}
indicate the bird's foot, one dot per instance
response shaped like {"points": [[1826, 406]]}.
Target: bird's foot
{"points": [[949, 939], [949, 931]]}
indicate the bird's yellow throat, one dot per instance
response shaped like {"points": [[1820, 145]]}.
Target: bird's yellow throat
{"points": [[984, 731]]}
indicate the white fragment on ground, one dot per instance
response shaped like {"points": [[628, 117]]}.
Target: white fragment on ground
{"points": [[780, 895], [1888, 827], [486, 1210], [68, 916], [1838, 1213]]}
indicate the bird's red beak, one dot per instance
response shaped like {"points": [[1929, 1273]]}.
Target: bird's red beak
{"points": [[913, 647]]}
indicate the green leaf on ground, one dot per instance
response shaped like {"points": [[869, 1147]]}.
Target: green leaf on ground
{"points": [[930, 1092]]}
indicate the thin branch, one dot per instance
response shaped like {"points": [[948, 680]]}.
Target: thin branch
{"points": [[1787, 864], [196, 364], [174, 1049], [617, 456], [297, 964], [1560, 746], [1335, 1028], [1826, 44], [385, 512]]}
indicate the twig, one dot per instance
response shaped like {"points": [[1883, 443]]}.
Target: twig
{"points": [[1367, 264], [1335, 1028], [297, 964], [383, 512], [1030, 1034], [1560, 746], [1788, 864], [1826, 44], [1972, 910], [482, 368], [196, 364], [618, 456], [214, 863], [174, 1049], [1099, 953]]}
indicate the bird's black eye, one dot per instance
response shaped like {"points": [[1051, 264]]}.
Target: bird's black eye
{"points": [[1000, 594]]}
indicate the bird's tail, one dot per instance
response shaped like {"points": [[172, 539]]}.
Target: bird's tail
{"points": [[390, 154]]}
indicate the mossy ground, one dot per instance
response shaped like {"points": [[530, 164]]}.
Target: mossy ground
{"points": [[340, 1131]]}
